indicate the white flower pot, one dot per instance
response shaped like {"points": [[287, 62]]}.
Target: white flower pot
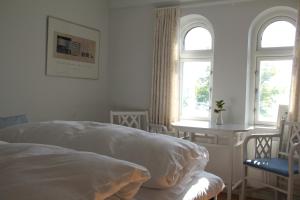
{"points": [[219, 120]]}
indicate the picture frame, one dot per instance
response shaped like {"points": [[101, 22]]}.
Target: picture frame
{"points": [[73, 50]]}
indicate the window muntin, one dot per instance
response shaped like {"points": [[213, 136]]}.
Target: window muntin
{"points": [[198, 38], [274, 82], [195, 95], [278, 34]]}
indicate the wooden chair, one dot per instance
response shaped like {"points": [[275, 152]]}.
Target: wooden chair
{"points": [[136, 119], [284, 166]]}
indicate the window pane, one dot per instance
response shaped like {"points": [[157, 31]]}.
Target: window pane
{"points": [[279, 34], [198, 39], [195, 90], [274, 88]]}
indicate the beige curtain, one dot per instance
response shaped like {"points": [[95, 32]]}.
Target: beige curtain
{"points": [[164, 93], [294, 114]]}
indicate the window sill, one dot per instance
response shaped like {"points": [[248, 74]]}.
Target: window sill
{"points": [[265, 129]]}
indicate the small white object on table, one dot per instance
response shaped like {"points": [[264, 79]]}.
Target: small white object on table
{"points": [[211, 129]]}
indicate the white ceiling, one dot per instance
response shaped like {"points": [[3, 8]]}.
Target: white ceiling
{"points": [[133, 3]]}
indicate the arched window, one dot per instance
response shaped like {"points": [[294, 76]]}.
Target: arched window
{"points": [[196, 57], [280, 33], [198, 38], [271, 62]]}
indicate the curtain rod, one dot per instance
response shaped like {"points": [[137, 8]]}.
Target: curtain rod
{"points": [[204, 4]]}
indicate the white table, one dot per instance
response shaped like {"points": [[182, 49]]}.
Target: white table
{"points": [[227, 130]]}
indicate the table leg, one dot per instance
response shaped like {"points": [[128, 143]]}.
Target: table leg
{"points": [[231, 164]]}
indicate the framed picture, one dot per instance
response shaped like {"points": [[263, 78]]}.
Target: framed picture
{"points": [[72, 50]]}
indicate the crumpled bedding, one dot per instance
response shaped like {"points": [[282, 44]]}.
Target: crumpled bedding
{"points": [[44, 172], [200, 186], [167, 158]]}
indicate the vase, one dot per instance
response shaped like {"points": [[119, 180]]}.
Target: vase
{"points": [[219, 120]]}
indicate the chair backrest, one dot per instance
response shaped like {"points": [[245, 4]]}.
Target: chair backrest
{"points": [[134, 119], [263, 147], [289, 136]]}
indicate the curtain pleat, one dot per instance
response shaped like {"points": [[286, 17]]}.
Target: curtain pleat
{"points": [[164, 92], [294, 108], [294, 114]]}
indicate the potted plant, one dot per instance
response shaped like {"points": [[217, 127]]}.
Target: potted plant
{"points": [[218, 110]]}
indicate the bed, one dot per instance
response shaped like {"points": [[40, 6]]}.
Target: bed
{"points": [[176, 166]]}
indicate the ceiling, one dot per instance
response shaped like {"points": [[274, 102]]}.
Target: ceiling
{"points": [[134, 3]]}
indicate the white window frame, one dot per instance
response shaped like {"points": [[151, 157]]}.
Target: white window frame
{"points": [[256, 53], [188, 23], [257, 80]]}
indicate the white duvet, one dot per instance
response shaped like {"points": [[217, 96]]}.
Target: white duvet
{"points": [[167, 158], [44, 172], [200, 186]]}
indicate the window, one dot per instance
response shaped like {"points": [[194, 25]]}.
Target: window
{"points": [[278, 34], [195, 68], [198, 38], [272, 63], [273, 88]]}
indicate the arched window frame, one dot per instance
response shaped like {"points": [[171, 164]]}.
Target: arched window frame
{"points": [[256, 53], [187, 23], [265, 25]]}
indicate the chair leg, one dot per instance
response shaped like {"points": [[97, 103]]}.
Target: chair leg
{"points": [[244, 183], [275, 195], [290, 188], [276, 191]]}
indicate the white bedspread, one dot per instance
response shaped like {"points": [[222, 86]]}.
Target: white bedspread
{"points": [[201, 186], [43, 172], [167, 158]]}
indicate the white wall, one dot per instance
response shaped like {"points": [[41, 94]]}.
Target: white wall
{"points": [[126, 81], [131, 36], [131, 46], [24, 88]]}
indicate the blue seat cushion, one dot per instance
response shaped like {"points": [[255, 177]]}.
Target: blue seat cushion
{"points": [[275, 165], [12, 120]]}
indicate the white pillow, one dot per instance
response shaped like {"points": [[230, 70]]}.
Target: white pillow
{"points": [[167, 158], [35, 172]]}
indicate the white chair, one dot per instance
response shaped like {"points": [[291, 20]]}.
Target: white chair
{"points": [[284, 166], [136, 119]]}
